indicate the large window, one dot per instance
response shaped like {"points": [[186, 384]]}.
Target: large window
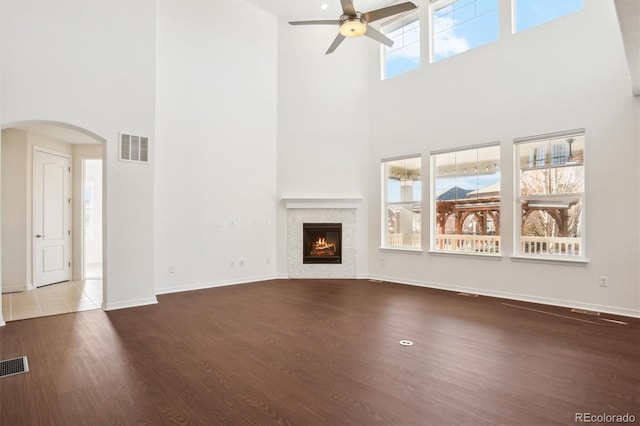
{"points": [[529, 13], [402, 203], [550, 196], [461, 25], [404, 55], [466, 200]]}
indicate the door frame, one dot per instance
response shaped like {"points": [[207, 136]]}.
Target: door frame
{"points": [[68, 205], [83, 240]]}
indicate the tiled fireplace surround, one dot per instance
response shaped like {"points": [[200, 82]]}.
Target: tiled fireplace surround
{"points": [[321, 210]]}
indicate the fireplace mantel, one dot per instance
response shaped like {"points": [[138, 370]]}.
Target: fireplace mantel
{"points": [[322, 203]]}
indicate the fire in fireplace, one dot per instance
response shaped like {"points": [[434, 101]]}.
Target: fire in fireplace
{"points": [[322, 243]]}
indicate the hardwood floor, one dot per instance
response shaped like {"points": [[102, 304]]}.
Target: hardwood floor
{"points": [[321, 352]]}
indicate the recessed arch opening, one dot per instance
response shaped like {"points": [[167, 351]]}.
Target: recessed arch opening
{"points": [[71, 134]]}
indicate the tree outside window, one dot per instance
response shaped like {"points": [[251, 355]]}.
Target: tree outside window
{"points": [[551, 195]]}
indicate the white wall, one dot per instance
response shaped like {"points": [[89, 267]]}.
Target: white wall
{"points": [[323, 124], [15, 217], [216, 144], [2, 322], [92, 65], [564, 75]]}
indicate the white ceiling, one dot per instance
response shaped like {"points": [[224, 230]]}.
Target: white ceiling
{"points": [[311, 8]]}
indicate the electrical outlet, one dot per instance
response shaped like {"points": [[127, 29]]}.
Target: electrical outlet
{"points": [[232, 263], [232, 223], [241, 263], [268, 261], [217, 223], [172, 269], [604, 281]]}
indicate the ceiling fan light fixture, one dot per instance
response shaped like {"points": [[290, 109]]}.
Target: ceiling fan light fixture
{"points": [[353, 27], [353, 23]]}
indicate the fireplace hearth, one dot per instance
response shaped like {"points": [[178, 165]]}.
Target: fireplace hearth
{"points": [[322, 243]]}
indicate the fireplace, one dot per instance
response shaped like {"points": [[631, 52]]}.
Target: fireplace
{"points": [[322, 243]]}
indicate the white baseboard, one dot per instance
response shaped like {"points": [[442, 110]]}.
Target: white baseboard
{"points": [[223, 283], [501, 295], [129, 303], [15, 289], [520, 297], [2, 323]]}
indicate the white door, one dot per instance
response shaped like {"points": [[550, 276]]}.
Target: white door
{"points": [[51, 218]]}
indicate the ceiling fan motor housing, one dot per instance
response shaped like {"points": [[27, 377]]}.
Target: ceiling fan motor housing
{"points": [[353, 25]]}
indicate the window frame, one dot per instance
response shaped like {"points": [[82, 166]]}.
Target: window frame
{"points": [[398, 22], [519, 253], [433, 195], [384, 205], [514, 17], [436, 5]]}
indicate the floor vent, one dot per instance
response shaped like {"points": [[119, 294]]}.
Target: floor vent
{"points": [[467, 295], [10, 367], [584, 311]]}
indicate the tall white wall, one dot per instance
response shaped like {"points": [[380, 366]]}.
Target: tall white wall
{"points": [[323, 124], [563, 75], [216, 144], [92, 65]]}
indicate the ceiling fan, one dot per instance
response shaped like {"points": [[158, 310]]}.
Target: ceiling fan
{"points": [[353, 23]]}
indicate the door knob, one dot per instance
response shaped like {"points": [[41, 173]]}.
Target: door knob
{"points": [[38, 236]]}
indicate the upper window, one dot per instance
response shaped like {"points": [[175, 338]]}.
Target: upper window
{"points": [[529, 13], [461, 25], [404, 55], [402, 203], [550, 196], [466, 200]]}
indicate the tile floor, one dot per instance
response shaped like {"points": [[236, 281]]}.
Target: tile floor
{"points": [[54, 299]]}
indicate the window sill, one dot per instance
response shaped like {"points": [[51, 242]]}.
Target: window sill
{"points": [[489, 256], [400, 250], [549, 260]]}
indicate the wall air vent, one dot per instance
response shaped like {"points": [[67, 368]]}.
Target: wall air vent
{"points": [[134, 148]]}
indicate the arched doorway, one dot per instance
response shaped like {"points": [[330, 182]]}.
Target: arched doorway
{"points": [[78, 144]]}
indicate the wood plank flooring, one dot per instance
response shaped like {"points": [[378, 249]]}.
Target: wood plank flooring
{"points": [[321, 352]]}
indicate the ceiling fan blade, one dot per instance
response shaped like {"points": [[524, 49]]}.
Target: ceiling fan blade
{"points": [[335, 43], [378, 36], [348, 8], [385, 12], [320, 22]]}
